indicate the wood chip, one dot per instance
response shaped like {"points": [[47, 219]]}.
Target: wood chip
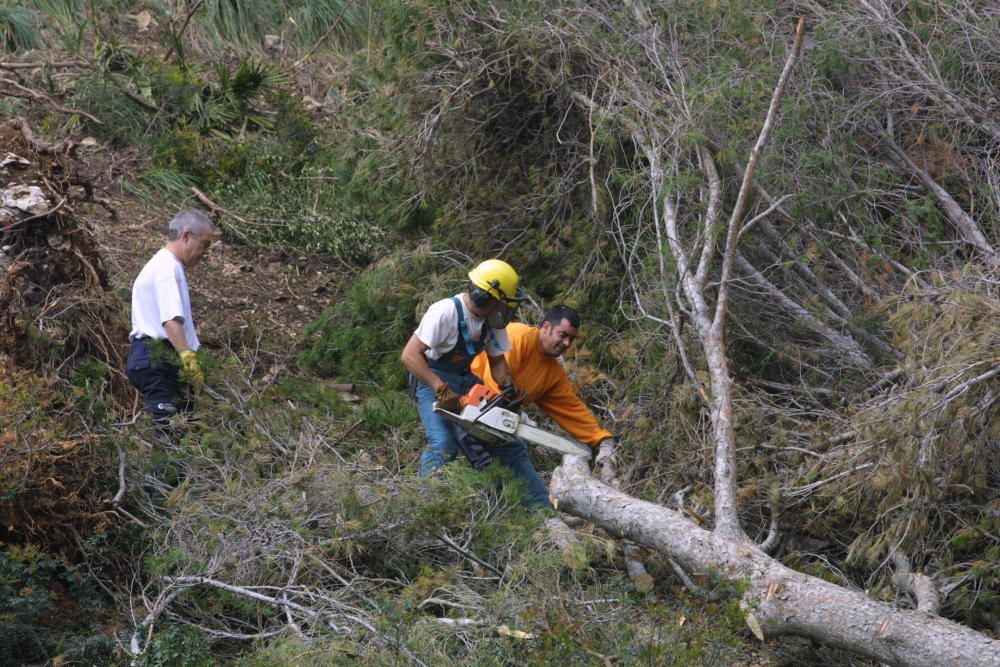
{"points": [[754, 626], [516, 634]]}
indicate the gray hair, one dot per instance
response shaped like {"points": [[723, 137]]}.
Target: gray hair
{"points": [[191, 219]]}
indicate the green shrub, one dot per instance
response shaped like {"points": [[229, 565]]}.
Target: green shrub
{"points": [[90, 382], [181, 150], [44, 605], [361, 337], [177, 647]]}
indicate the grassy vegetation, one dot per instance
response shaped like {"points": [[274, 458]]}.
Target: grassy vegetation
{"points": [[282, 491], [17, 33], [407, 140]]}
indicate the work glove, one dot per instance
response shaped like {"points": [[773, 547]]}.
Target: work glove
{"points": [[607, 452], [447, 399], [191, 370], [607, 458], [510, 390]]}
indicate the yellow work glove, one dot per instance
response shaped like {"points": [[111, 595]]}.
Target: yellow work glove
{"points": [[191, 370], [447, 399]]}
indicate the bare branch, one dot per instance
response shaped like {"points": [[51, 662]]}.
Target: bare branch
{"points": [[329, 31], [957, 391], [468, 554], [641, 579], [42, 97], [36, 143], [843, 343], [121, 477], [920, 585], [770, 542], [967, 228], [162, 602], [722, 301], [187, 19], [187, 581]]}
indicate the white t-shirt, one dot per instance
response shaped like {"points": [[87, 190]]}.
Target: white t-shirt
{"points": [[159, 294], [438, 330]]}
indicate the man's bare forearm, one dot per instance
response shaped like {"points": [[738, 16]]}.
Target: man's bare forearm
{"points": [[415, 362], [175, 334]]}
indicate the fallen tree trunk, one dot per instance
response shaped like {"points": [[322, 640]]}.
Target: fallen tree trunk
{"points": [[778, 600]]}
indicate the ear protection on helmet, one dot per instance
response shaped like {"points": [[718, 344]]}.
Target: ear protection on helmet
{"points": [[494, 278], [481, 297]]}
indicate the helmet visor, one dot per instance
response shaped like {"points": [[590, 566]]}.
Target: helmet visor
{"points": [[506, 310]]}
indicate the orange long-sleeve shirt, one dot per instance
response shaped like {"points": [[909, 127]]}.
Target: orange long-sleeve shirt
{"points": [[545, 381]]}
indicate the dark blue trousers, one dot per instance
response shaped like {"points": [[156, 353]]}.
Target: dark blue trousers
{"points": [[152, 367]]}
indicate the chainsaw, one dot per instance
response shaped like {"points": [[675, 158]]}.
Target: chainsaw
{"points": [[494, 419]]}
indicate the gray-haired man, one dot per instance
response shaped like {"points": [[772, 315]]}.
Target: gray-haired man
{"points": [[162, 363]]}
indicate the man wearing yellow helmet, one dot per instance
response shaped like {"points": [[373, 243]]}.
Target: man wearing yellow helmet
{"points": [[439, 355]]}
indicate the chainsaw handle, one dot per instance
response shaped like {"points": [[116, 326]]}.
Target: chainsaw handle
{"points": [[514, 403], [492, 403]]}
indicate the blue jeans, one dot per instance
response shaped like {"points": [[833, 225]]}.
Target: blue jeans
{"points": [[442, 448], [514, 455], [441, 445]]}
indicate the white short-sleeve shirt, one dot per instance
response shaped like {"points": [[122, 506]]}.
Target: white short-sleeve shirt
{"points": [[438, 330], [159, 294]]}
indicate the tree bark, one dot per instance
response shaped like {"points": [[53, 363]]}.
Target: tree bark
{"points": [[779, 600]]}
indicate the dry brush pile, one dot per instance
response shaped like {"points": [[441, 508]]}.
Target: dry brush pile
{"points": [[61, 333]]}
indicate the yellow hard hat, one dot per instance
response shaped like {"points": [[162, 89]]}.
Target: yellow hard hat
{"points": [[498, 279]]}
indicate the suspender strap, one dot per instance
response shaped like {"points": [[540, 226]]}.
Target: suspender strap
{"points": [[463, 328]]}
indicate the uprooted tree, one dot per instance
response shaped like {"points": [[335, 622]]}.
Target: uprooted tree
{"points": [[59, 333]]}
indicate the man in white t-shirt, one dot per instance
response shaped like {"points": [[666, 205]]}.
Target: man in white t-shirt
{"points": [[162, 362], [439, 353]]}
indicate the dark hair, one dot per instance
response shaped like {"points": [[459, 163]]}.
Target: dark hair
{"points": [[556, 314]]}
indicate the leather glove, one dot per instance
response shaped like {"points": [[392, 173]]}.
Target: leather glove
{"points": [[191, 371], [447, 399], [607, 454]]}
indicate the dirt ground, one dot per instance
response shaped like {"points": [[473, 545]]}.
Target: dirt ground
{"points": [[239, 294]]}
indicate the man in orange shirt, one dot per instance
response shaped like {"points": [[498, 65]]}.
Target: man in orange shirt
{"points": [[534, 364]]}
